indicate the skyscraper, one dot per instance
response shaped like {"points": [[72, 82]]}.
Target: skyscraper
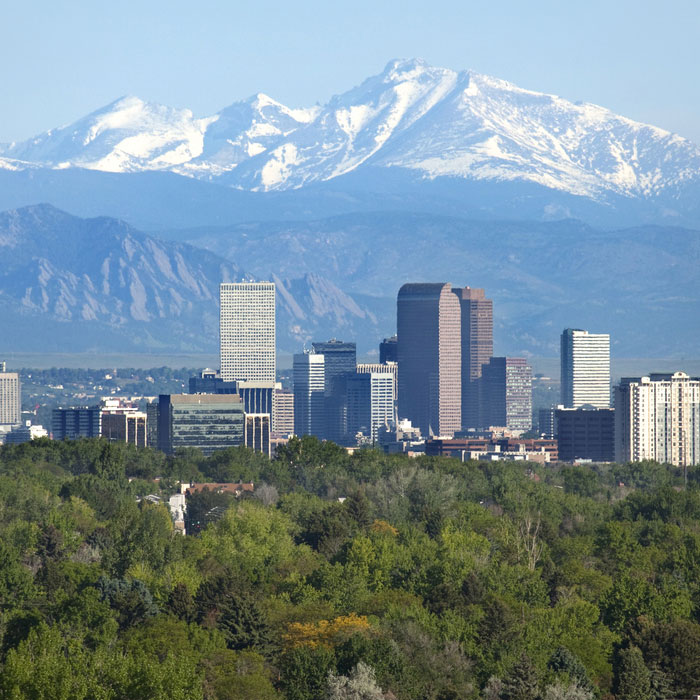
{"points": [[247, 328], [309, 394], [658, 418], [506, 393], [370, 401], [10, 397], [388, 350], [477, 349], [339, 361], [430, 359], [585, 369]]}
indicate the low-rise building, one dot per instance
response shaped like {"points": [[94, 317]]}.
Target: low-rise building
{"points": [[586, 433], [526, 449]]}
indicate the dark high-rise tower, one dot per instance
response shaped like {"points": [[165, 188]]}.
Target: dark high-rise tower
{"points": [[388, 350], [340, 361], [477, 349], [430, 359], [506, 393]]}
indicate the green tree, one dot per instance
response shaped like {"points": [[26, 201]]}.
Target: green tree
{"points": [[522, 682], [632, 677]]}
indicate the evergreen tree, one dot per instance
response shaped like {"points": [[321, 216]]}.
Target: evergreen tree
{"points": [[632, 677], [521, 683], [563, 661]]}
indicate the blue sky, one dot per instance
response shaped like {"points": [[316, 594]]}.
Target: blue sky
{"points": [[61, 60]]}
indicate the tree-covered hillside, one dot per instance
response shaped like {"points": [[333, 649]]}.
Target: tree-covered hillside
{"points": [[344, 576]]}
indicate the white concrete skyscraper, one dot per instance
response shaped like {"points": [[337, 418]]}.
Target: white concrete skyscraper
{"points": [[585, 369], [247, 328], [10, 397], [309, 394]]}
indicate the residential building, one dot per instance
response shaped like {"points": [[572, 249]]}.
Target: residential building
{"points": [[585, 369], [429, 357], [10, 397], [247, 328], [477, 349], [309, 394], [586, 433], [506, 393], [207, 422], [658, 418], [74, 423], [257, 432], [370, 402]]}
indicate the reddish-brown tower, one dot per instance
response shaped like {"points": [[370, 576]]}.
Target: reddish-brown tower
{"points": [[430, 357], [477, 349]]}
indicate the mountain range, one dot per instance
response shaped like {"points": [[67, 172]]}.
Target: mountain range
{"points": [[567, 214], [75, 285], [72, 284], [438, 140]]}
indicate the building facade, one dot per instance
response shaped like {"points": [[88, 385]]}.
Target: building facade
{"points": [[477, 349], [283, 412], [429, 357], [10, 397], [658, 418], [586, 433], [340, 359], [247, 329], [391, 368], [74, 423], [388, 350], [257, 432], [308, 374], [506, 393], [128, 427], [370, 401], [585, 369], [207, 422]]}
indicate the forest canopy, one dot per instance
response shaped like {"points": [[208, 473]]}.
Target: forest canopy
{"points": [[344, 576]]}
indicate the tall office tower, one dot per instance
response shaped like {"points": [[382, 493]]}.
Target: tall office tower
{"points": [[339, 363], [506, 393], [207, 422], [658, 418], [308, 373], [430, 358], [388, 350], [247, 328], [10, 397], [477, 349], [585, 369], [391, 368], [370, 401]]}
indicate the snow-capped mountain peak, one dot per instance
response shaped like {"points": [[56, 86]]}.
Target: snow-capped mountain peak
{"points": [[427, 121]]}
